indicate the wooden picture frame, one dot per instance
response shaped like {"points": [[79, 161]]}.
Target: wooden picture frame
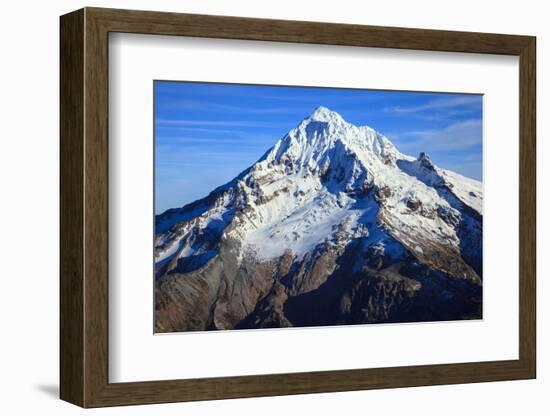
{"points": [[84, 207]]}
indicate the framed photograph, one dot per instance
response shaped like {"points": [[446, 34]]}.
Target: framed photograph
{"points": [[256, 207]]}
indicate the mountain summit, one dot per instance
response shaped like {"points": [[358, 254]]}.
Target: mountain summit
{"points": [[332, 225], [323, 114]]}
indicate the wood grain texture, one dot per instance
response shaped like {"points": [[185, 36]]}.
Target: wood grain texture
{"points": [[71, 100], [84, 207], [96, 219], [226, 27], [527, 207]]}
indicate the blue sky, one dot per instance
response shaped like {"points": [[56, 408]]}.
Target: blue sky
{"points": [[205, 134]]}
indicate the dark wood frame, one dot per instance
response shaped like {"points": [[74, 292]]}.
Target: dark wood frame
{"points": [[84, 208]]}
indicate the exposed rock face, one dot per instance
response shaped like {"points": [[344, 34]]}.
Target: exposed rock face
{"points": [[333, 225]]}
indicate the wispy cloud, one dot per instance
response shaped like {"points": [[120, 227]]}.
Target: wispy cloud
{"points": [[200, 129], [457, 136], [212, 145], [439, 104], [188, 124], [242, 139], [183, 104]]}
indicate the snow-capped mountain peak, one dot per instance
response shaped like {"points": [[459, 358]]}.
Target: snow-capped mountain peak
{"points": [[325, 115], [425, 161], [325, 139], [325, 188], [323, 176]]}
